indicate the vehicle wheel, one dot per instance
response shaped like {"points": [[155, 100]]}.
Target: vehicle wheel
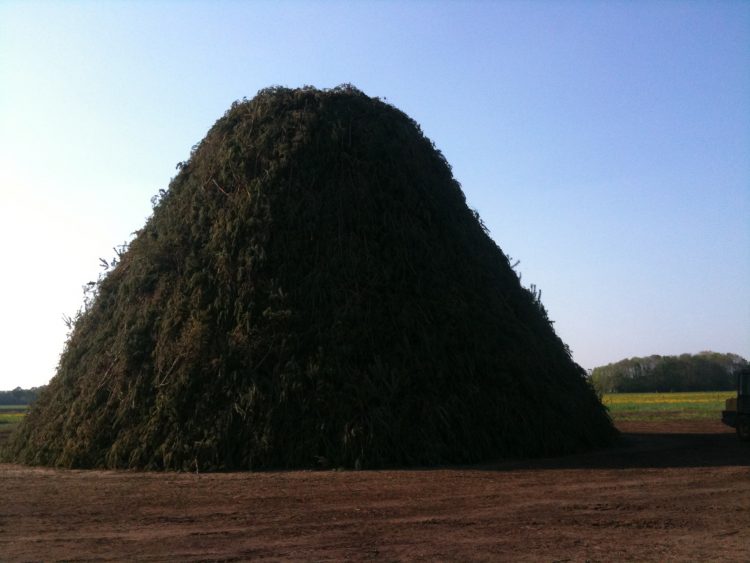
{"points": [[743, 428]]}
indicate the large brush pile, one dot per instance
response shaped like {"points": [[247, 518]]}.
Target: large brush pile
{"points": [[312, 289]]}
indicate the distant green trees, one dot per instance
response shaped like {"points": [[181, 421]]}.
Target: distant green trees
{"points": [[19, 396], [706, 371]]}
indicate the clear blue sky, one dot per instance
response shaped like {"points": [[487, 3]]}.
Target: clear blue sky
{"points": [[605, 144]]}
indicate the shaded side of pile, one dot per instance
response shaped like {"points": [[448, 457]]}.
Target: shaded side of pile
{"points": [[311, 290]]}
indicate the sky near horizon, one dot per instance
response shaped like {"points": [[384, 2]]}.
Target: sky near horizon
{"points": [[606, 145]]}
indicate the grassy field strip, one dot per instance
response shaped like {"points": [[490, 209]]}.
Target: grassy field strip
{"points": [[633, 406], [645, 406], [13, 408], [11, 417]]}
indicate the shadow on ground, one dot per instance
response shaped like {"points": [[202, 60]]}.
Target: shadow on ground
{"points": [[649, 448]]}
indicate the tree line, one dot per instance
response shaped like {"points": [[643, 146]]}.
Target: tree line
{"points": [[706, 371], [20, 396]]}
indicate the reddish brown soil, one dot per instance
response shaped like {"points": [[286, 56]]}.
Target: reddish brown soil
{"points": [[670, 491]]}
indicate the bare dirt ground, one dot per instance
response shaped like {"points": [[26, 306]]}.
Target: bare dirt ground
{"points": [[671, 491]]}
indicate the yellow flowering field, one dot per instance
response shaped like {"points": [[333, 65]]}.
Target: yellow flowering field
{"points": [[10, 417], [650, 406]]}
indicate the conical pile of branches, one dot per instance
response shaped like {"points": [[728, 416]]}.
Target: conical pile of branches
{"points": [[312, 289]]}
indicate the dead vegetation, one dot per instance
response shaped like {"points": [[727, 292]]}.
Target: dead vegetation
{"points": [[312, 290]]}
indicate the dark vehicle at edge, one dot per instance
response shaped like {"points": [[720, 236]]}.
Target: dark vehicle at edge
{"points": [[737, 411]]}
